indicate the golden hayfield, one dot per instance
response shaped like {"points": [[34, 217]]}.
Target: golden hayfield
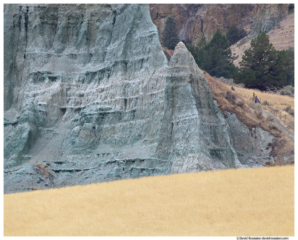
{"points": [[242, 202]]}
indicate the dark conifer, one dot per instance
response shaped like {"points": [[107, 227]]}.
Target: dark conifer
{"points": [[234, 34], [170, 34], [215, 57], [262, 66]]}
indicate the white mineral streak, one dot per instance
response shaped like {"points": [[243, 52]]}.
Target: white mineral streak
{"points": [[89, 90]]}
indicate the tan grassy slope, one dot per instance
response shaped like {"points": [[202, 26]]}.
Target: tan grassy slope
{"points": [[249, 202], [281, 37], [272, 117]]}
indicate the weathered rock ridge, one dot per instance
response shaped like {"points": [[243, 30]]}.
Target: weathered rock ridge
{"points": [[265, 18], [195, 21], [91, 97]]}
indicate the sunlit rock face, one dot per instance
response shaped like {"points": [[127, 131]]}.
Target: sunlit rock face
{"points": [[91, 97]]}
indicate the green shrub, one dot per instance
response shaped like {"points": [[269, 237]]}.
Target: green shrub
{"points": [[291, 112], [291, 8], [240, 104], [231, 97], [288, 108]]}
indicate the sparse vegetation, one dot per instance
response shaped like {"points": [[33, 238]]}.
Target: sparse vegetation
{"points": [[259, 113], [285, 92], [231, 97], [232, 88], [289, 110], [270, 118], [273, 127], [240, 104], [252, 104], [291, 125], [250, 116]]}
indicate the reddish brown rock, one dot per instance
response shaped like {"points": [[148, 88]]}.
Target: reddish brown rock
{"points": [[195, 21], [168, 52]]}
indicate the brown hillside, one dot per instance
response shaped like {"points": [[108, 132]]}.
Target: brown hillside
{"points": [[272, 117], [281, 37]]}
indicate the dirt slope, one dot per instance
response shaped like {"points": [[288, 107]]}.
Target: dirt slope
{"points": [[243, 202], [272, 117]]}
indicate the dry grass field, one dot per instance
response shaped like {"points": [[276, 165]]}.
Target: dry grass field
{"points": [[242, 202]]}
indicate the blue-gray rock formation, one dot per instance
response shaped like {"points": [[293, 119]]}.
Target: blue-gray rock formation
{"points": [[91, 97]]}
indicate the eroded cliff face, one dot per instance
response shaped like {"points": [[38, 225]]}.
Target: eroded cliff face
{"points": [[195, 21], [90, 97], [265, 18], [194, 135], [73, 63]]}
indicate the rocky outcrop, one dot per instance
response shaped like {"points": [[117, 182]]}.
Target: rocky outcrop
{"points": [[91, 97], [281, 37], [265, 18], [194, 135], [195, 21], [67, 65]]}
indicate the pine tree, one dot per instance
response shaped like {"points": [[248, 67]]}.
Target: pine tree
{"points": [[262, 65], [291, 8], [170, 34], [234, 34], [201, 43], [215, 57], [290, 66]]}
